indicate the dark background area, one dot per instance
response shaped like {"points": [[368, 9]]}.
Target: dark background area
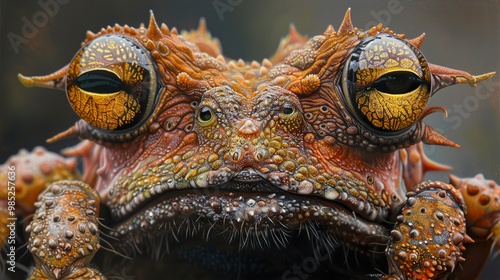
{"points": [[461, 34]]}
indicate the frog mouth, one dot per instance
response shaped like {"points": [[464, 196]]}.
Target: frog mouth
{"points": [[244, 218], [247, 205]]}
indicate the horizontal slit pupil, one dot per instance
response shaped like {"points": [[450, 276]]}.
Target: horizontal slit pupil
{"points": [[397, 82], [99, 81]]}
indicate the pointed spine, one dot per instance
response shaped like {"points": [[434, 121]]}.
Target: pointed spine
{"points": [[417, 41], [202, 26], [154, 32], [329, 30], [164, 29], [90, 35], [55, 80], [70, 132], [346, 24], [293, 34], [432, 137], [443, 77]]}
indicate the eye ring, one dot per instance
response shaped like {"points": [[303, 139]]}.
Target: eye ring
{"points": [[193, 103], [288, 109], [112, 84], [205, 116], [386, 84], [290, 118]]}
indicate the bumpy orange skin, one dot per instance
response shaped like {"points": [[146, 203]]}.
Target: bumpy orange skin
{"points": [[33, 172], [64, 232], [482, 198], [429, 234], [308, 139]]}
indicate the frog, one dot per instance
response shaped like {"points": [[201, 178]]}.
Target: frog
{"points": [[309, 164]]}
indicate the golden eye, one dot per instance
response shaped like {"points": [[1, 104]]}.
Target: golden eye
{"points": [[205, 115], [386, 83], [112, 83]]}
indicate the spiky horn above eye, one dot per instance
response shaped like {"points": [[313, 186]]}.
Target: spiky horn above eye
{"points": [[154, 31], [55, 80], [346, 24], [442, 77]]}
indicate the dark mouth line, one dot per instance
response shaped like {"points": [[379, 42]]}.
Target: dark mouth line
{"points": [[249, 190]]}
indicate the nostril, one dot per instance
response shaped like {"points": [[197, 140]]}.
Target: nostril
{"points": [[261, 155], [249, 128], [236, 156]]}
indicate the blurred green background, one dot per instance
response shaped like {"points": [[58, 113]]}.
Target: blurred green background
{"points": [[461, 34]]}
